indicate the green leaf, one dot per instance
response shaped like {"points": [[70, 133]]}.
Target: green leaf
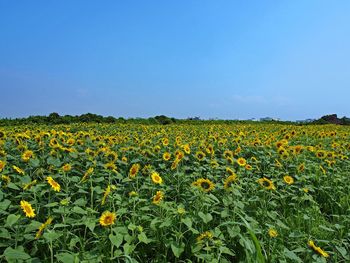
{"points": [[79, 210], [12, 219], [116, 240], [143, 238], [51, 235], [177, 249], [51, 204], [34, 225], [4, 204], [128, 249], [54, 161], [4, 233], [34, 163], [67, 258], [13, 186], [291, 255], [187, 221], [80, 202], [91, 223], [225, 250], [343, 252], [166, 223], [205, 217], [15, 254]]}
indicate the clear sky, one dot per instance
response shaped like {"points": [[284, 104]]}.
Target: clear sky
{"points": [[226, 59]]}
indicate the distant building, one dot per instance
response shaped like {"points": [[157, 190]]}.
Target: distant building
{"points": [[269, 119]]}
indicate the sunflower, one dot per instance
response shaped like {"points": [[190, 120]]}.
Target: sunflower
{"points": [[200, 155], [230, 171], [248, 167], [214, 164], [206, 235], [55, 186], [166, 156], [175, 164], [273, 232], [229, 180], [158, 197], [321, 154], [105, 194], [111, 167], [301, 167], [42, 227], [2, 165], [241, 161], [124, 159], [17, 169], [179, 155], [67, 167], [187, 148], [107, 218], [6, 179], [156, 178], [266, 183], [165, 141], [27, 209], [87, 174], [204, 184], [134, 170], [27, 155], [111, 156], [288, 179], [228, 154], [29, 185], [318, 249]]}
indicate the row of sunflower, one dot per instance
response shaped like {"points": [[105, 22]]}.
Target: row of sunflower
{"points": [[213, 193]]}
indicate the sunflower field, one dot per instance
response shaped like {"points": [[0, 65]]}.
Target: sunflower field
{"points": [[175, 193]]}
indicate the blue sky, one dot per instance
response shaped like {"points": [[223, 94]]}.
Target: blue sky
{"points": [[213, 59]]}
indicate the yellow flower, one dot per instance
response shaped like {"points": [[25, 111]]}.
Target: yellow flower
{"points": [[17, 169], [229, 180], [248, 167], [181, 210], [29, 185], [133, 194], [200, 155], [273, 232], [156, 178], [134, 170], [266, 183], [107, 218], [42, 227], [105, 195], [203, 236], [301, 167], [174, 164], [166, 156], [241, 161], [55, 186], [27, 155], [322, 169], [165, 141], [27, 209], [2, 165], [124, 159], [288, 179], [187, 148], [67, 167], [204, 184], [318, 249], [158, 197], [6, 179], [87, 174]]}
